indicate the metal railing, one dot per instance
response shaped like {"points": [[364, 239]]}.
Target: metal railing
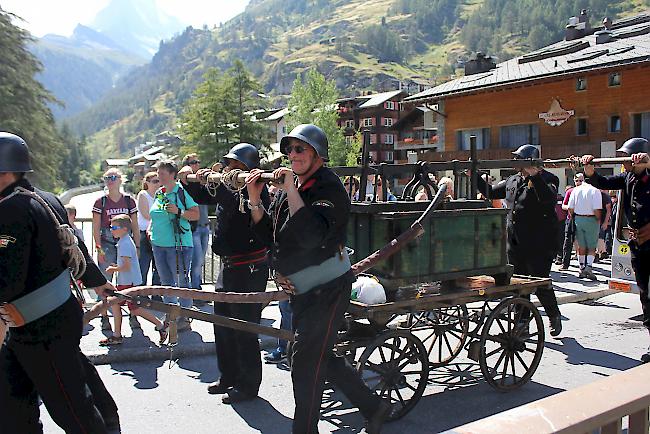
{"points": [[211, 265], [604, 406]]}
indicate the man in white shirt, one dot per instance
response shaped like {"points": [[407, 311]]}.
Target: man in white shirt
{"points": [[585, 204]]}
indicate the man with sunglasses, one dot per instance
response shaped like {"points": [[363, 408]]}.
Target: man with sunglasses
{"points": [[244, 257], [306, 224], [41, 355]]}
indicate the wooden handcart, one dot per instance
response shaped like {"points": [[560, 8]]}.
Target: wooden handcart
{"points": [[395, 344]]}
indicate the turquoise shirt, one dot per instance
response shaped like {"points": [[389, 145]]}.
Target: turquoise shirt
{"points": [[164, 230]]}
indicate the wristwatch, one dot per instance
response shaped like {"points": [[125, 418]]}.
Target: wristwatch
{"points": [[255, 206], [180, 211]]}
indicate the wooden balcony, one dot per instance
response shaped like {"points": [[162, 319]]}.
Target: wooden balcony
{"points": [[503, 153]]}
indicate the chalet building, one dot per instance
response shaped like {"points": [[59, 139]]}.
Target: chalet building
{"points": [[377, 113], [417, 134], [586, 94]]}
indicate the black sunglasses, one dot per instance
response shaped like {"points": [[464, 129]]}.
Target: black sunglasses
{"points": [[154, 181], [298, 148], [194, 162], [111, 177]]}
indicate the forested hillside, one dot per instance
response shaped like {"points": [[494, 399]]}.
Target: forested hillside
{"points": [[357, 43]]}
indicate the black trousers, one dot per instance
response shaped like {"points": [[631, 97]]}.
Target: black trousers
{"points": [[317, 316], [54, 369], [238, 352], [569, 238], [537, 266], [641, 267]]}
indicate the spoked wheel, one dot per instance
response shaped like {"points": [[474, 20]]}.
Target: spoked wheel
{"points": [[396, 367], [442, 331], [512, 342]]}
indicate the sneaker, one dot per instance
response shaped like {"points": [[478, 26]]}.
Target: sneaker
{"points": [[583, 273], [106, 324], [275, 356], [563, 268], [164, 333], [134, 323]]}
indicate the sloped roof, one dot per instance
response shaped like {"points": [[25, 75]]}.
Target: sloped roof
{"points": [[629, 44], [277, 115], [380, 98]]}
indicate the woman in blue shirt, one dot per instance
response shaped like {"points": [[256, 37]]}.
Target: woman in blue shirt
{"points": [[171, 235]]}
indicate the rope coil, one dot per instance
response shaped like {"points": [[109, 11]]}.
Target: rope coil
{"points": [[72, 253]]}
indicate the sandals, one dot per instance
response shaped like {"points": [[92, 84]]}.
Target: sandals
{"points": [[111, 340]]}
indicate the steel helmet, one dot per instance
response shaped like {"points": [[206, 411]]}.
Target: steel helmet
{"points": [[14, 154], [634, 145], [245, 153], [525, 152], [310, 134]]}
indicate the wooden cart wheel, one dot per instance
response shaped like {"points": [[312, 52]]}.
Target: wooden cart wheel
{"points": [[512, 342], [396, 367], [442, 331]]}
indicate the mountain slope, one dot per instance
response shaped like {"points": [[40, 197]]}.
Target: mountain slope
{"points": [[80, 69], [357, 43]]}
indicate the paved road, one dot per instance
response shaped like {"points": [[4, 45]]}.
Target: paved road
{"points": [[599, 339]]}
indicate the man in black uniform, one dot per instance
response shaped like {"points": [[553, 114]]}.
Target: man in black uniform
{"points": [[245, 269], [41, 355], [307, 226], [530, 197], [635, 202]]}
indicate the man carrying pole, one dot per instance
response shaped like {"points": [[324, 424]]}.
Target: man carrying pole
{"points": [[306, 225], [41, 355], [634, 184]]}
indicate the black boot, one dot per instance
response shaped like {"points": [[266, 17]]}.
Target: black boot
{"points": [[555, 323], [645, 358]]}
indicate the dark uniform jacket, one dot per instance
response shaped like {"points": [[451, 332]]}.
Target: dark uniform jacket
{"points": [[532, 222], [233, 234], [30, 257], [316, 232], [635, 199]]}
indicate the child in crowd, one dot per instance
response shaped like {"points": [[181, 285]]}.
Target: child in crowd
{"points": [[128, 275], [72, 215]]}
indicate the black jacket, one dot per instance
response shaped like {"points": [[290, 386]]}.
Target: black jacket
{"points": [[233, 234], [314, 233], [30, 253], [635, 200], [531, 222]]}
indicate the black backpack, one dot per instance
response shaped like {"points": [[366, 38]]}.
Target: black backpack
{"points": [[181, 196]]}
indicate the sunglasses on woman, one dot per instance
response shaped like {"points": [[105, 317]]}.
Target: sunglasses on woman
{"points": [[154, 181], [111, 177], [194, 162], [298, 148]]}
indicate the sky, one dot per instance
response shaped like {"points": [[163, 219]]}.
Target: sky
{"points": [[61, 16]]}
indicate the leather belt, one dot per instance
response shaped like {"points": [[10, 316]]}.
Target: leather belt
{"points": [[250, 258], [37, 303], [585, 215]]}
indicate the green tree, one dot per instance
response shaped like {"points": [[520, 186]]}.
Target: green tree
{"points": [[24, 110], [220, 113], [313, 100]]}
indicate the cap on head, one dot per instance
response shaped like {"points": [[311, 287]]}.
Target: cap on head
{"points": [[14, 154], [245, 153], [635, 145], [310, 134], [525, 152]]}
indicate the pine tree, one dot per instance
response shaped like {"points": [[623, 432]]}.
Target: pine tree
{"points": [[24, 110]]}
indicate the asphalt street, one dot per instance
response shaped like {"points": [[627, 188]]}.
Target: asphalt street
{"points": [[600, 338]]}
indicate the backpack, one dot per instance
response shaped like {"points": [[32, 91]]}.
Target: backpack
{"points": [[181, 196]]}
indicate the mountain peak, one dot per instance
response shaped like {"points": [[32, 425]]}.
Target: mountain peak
{"points": [[137, 26]]}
